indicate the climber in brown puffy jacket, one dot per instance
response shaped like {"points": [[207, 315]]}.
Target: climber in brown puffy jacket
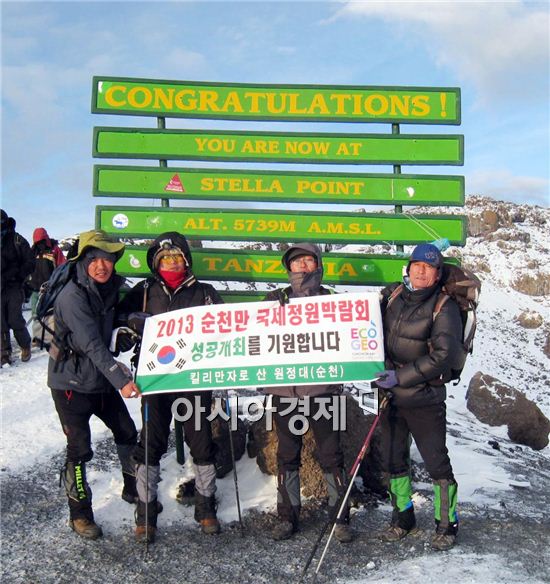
{"points": [[304, 266]]}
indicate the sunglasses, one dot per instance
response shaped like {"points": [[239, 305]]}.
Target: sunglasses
{"points": [[172, 259]]}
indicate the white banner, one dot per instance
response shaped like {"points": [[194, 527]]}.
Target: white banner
{"points": [[310, 341]]}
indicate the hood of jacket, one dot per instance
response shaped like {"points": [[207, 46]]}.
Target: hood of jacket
{"points": [[40, 234], [299, 249], [173, 239], [304, 283]]}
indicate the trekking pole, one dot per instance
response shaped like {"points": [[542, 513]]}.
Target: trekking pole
{"points": [[232, 448], [343, 498], [146, 422]]}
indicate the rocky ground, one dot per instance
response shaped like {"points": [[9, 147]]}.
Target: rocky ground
{"points": [[37, 545]]}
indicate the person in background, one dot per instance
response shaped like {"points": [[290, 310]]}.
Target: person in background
{"points": [[172, 286], [304, 266], [48, 256], [84, 377], [420, 353], [17, 264]]}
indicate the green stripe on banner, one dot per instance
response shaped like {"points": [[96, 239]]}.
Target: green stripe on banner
{"points": [[278, 147], [239, 225], [295, 187], [239, 377]]}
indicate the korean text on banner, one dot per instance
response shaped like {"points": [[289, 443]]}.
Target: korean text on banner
{"points": [[310, 341]]}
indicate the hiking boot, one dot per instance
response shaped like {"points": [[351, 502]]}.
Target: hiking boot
{"points": [[443, 541], [343, 533], [5, 360], [394, 533], [446, 518], [210, 526], [86, 528], [25, 354], [402, 523], [145, 533], [283, 530], [146, 521], [205, 513]]}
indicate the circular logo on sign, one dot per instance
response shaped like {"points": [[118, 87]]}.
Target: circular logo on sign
{"points": [[120, 221], [166, 355], [134, 262]]}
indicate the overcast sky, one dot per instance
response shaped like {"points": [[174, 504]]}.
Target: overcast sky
{"points": [[496, 52]]}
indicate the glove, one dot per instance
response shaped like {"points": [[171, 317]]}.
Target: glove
{"points": [[136, 321], [282, 296], [386, 379], [125, 340]]}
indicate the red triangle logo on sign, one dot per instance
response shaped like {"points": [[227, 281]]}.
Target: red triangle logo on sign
{"points": [[175, 185]]}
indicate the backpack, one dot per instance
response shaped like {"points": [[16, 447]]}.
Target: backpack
{"points": [[43, 269], [464, 287], [49, 291]]}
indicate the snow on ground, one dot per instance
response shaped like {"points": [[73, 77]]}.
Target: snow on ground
{"points": [[505, 533], [490, 480], [456, 567]]}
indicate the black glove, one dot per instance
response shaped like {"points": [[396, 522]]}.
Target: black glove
{"points": [[136, 321], [282, 296], [125, 340]]}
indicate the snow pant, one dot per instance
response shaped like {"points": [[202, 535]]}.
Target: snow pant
{"points": [[198, 436], [12, 318], [330, 455], [428, 427], [75, 410]]}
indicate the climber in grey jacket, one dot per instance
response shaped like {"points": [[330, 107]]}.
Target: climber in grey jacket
{"points": [[85, 378]]}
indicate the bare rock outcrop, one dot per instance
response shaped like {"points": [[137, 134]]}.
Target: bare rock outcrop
{"points": [[536, 284], [312, 481], [496, 403]]}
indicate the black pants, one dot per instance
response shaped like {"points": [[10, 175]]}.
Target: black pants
{"points": [[290, 445], [197, 429], [75, 410], [12, 318], [428, 427]]}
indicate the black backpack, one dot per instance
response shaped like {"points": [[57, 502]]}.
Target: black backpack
{"points": [[464, 287], [43, 269], [49, 291]]}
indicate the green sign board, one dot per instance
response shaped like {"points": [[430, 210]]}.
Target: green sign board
{"points": [[283, 186], [241, 296], [152, 97], [265, 266], [279, 147], [247, 225]]}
